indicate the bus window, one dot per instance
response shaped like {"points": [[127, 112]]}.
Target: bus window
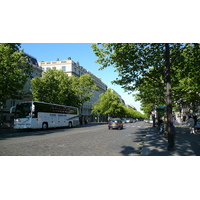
{"points": [[23, 110]]}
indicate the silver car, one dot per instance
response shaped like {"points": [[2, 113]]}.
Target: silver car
{"points": [[129, 120]]}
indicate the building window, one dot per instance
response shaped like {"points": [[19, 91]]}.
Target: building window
{"points": [[64, 68], [31, 75]]}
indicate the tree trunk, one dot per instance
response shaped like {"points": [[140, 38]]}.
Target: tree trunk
{"points": [[169, 102]]}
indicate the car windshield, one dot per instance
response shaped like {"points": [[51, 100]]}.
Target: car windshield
{"points": [[23, 110]]}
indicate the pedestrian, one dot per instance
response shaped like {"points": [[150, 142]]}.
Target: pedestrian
{"points": [[191, 124], [184, 117], [161, 123]]}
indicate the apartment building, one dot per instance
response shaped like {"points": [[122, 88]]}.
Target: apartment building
{"points": [[131, 106], [121, 99], [74, 69]]}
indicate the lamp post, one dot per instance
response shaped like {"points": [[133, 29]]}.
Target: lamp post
{"points": [[169, 101]]}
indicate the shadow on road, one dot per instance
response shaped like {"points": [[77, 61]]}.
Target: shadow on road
{"points": [[128, 151], [11, 133], [139, 139]]}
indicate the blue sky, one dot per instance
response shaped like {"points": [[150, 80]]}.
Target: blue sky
{"points": [[81, 52]]}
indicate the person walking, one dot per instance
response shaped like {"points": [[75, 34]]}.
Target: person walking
{"points": [[161, 124], [184, 117], [191, 124]]}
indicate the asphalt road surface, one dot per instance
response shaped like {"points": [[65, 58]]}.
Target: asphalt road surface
{"points": [[88, 140]]}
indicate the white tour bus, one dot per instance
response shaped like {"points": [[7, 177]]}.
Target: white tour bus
{"points": [[36, 115]]}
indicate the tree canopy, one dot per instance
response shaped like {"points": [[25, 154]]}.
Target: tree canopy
{"points": [[142, 68], [57, 87], [110, 104], [14, 71], [83, 87]]}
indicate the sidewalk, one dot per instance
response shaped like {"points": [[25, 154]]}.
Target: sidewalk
{"points": [[186, 144]]}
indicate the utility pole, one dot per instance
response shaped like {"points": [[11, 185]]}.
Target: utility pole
{"points": [[169, 101]]}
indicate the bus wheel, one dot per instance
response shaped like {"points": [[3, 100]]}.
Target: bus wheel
{"points": [[70, 125], [44, 126]]}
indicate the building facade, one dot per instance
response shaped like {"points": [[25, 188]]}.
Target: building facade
{"points": [[131, 106], [74, 69], [121, 99]]}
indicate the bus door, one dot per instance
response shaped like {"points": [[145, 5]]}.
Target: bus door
{"points": [[62, 120]]}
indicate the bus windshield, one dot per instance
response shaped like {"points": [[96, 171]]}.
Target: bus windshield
{"points": [[23, 110]]}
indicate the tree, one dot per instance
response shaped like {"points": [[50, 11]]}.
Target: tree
{"points": [[57, 87], [54, 87], [130, 113], [184, 78], [143, 65], [132, 61], [108, 103], [188, 77], [83, 87], [140, 67], [14, 71]]}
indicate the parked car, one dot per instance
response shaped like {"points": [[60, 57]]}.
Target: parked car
{"points": [[115, 123], [123, 120], [129, 120]]}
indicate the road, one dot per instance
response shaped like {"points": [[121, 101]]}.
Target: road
{"points": [[88, 140]]}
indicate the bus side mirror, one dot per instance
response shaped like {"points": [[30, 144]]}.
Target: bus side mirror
{"points": [[33, 108], [11, 109]]}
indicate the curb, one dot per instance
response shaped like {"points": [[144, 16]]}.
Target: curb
{"points": [[7, 130]]}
